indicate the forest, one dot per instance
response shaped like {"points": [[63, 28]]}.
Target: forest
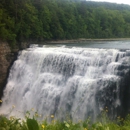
{"points": [[24, 20]]}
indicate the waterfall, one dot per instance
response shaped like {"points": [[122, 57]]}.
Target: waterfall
{"points": [[63, 80]]}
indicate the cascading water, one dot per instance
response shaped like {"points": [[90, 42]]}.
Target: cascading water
{"points": [[60, 81]]}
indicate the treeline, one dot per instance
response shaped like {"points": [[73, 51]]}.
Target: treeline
{"points": [[23, 20]]}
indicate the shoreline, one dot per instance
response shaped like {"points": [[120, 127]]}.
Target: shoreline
{"points": [[85, 40]]}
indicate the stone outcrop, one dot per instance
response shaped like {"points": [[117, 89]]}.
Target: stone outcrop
{"points": [[6, 59]]}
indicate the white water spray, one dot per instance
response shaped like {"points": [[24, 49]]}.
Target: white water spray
{"points": [[61, 81]]}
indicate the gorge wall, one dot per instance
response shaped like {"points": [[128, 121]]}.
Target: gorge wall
{"points": [[6, 59]]}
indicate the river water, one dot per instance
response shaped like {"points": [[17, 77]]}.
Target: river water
{"points": [[100, 44]]}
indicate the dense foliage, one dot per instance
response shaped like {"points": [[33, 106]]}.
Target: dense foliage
{"points": [[22, 20], [33, 124]]}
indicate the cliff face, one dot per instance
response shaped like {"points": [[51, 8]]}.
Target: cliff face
{"points": [[6, 60]]}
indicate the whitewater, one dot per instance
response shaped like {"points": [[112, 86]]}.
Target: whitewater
{"points": [[60, 80]]}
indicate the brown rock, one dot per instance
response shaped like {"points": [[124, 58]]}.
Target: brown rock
{"points": [[6, 59]]}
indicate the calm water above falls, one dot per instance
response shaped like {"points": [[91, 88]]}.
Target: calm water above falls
{"points": [[102, 44], [61, 80]]}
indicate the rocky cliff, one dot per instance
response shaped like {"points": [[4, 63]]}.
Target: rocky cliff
{"points": [[6, 59]]}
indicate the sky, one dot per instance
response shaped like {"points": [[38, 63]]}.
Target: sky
{"points": [[115, 1]]}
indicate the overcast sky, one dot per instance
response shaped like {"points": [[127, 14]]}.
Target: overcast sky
{"points": [[116, 1]]}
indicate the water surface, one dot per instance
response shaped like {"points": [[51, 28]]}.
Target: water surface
{"points": [[100, 44]]}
